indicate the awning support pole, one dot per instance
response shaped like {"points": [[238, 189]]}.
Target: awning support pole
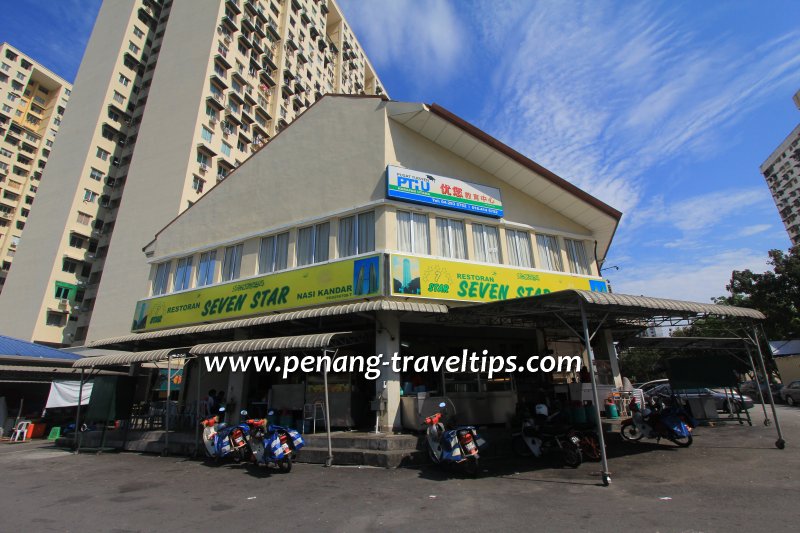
{"points": [[587, 341], [329, 460], [166, 405], [767, 421], [78, 417], [780, 443], [197, 408]]}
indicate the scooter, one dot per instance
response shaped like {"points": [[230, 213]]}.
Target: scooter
{"points": [[223, 441], [656, 423], [455, 446], [540, 437], [274, 445]]}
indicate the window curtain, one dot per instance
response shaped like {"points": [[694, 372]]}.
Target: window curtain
{"points": [[451, 237], [422, 236], [183, 273], [404, 231], [231, 262], [305, 246], [321, 242], [205, 270], [519, 248], [266, 255], [549, 252], [576, 252], [487, 243], [347, 237], [162, 278], [366, 232], [282, 251]]}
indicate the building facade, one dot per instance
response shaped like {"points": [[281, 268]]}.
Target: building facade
{"points": [[782, 172], [171, 97], [408, 214], [32, 104]]}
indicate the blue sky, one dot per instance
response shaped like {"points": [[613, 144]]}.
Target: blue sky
{"points": [[664, 110]]}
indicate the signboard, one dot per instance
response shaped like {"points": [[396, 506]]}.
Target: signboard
{"points": [[314, 285], [454, 280], [440, 191]]}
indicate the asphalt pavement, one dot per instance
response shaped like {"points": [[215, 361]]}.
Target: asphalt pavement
{"points": [[731, 478]]}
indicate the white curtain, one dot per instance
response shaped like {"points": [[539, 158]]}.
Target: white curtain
{"points": [[413, 234], [321, 242], [232, 262], [282, 251], [347, 237], [576, 252], [366, 232], [451, 237], [183, 273], [549, 252], [205, 269], [266, 255], [404, 231], [519, 248], [487, 243], [162, 278], [305, 246]]}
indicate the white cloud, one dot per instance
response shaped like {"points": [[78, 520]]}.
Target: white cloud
{"points": [[697, 281], [424, 39], [754, 230]]}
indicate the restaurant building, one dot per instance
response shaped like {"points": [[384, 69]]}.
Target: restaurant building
{"points": [[359, 228]]}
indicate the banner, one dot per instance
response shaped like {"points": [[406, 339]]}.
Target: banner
{"points": [[440, 191], [65, 394], [303, 287], [455, 280]]}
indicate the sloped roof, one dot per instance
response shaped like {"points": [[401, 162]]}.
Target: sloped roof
{"points": [[11, 347]]}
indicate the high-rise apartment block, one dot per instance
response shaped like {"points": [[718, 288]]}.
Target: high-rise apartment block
{"points": [[782, 172], [170, 98], [32, 104]]}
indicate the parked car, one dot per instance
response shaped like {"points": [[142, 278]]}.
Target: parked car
{"points": [[720, 398], [647, 385], [749, 388], [791, 393]]}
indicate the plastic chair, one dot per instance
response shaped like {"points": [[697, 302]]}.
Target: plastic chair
{"points": [[20, 433], [55, 433], [313, 412]]}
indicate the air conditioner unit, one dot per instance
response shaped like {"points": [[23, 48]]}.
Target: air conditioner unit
{"points": [[63, 303], [203, 167]]}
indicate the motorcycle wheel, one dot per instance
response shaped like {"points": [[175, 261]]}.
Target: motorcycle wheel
{"points": [[285, 464], [520, 447], [572, 457], [683, 442], [590, 447], [472, 466], [631, 433]]}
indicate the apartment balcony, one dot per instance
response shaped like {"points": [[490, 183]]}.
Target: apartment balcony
{"points": [[301, 58], [296, 5], [323, 7], [291, 44], [304, 18], [236, 96], [248, 23], [222, 59], [216, 100], [299, 87], [233, 5], [266, 79], [232, 115], [229, 24], [220, 82], [286, 88]]}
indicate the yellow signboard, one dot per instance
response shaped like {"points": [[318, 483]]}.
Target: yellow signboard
{"points": [[332, 282], [454, 280]]}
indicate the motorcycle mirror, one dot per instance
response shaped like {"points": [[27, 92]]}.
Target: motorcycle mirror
{"points": [[221, 409], [243, 412], [442, 405], [271, 413]]}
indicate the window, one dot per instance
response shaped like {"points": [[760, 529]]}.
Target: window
{"points": [[102, 154], [549, 252], [84, 219], [487, 243], [357, 234], [202, 159], [413, 233], [137, 32], [96, 174], [11, 96], [232, 262], [519, 248], [62, 293], [118, 97], [5, 67], [123, 80], [312, 244], [451, 237], [132, 47], [89, 195], [55, 319], [68, 265], [75, 241], [274, 253], [198, 183], [161, 280], [183, 274], [206, 134], [226, 149], [576, 254], [206, 267]]}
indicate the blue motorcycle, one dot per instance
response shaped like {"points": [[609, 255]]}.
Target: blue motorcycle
{"points": [[274, 445], [457, 446], [224, 441]]}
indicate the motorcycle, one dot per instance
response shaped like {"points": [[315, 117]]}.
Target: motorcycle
{"points": [[455, 446], [540, 437], [222, 440], [274, 445], [657, 422]]}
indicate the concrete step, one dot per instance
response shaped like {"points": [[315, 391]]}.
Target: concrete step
{"points": [[362, 457], [366, 441]]}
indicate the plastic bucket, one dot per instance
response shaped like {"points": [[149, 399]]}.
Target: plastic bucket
{"points": [[611, 411]]}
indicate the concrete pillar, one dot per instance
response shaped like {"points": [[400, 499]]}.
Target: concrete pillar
{"points": [[236, 389], [606, 346], [387, 386]]}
